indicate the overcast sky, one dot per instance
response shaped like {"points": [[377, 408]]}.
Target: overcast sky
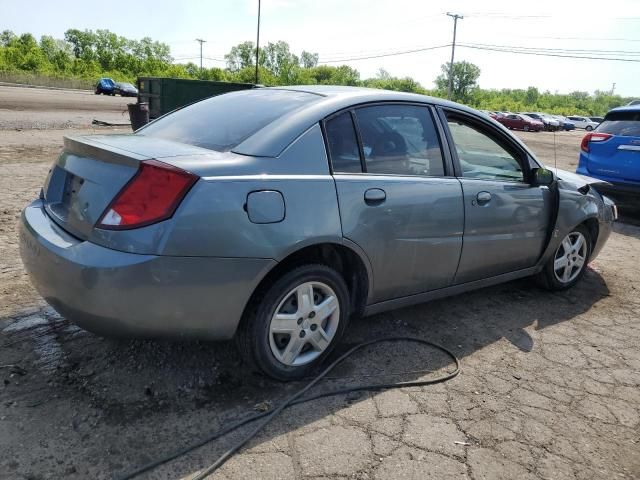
{"points": [[343, 29]]}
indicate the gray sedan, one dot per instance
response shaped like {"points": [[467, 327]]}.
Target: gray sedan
{"points": [[276, 215]]}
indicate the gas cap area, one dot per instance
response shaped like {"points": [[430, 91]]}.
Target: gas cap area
{"points": [[265, 206]]}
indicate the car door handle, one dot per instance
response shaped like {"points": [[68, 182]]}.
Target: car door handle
{"points": [[374, 196], [483, 198]]}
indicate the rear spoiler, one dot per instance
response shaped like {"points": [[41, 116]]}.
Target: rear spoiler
{"points": [[92, 148]]}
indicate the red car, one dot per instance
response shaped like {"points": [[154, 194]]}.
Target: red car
{"points": [[517, 121]]}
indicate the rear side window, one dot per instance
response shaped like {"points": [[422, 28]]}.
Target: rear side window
{"points": [[343, 144], [399, 140], [224, 121], [625, 124]]}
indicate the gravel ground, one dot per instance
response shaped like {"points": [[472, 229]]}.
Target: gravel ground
{"points": [[550, 386]]}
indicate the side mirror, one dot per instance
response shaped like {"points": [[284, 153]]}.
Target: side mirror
{"points": [[542, 176]]}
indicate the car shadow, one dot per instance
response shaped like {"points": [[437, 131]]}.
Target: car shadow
{"points": [[629, 216], [135, 386]]}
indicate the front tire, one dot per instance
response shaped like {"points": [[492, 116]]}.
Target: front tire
{"points": [[588, 128], [568, 264], [292, 325]]}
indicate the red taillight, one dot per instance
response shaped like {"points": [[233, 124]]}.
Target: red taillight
{"points": [[152, 195], [593, 137]]}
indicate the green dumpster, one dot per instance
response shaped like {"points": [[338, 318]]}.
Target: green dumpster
{"points": [[166, 94]]}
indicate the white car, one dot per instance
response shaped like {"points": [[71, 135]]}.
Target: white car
{"points": [[584, 122]]}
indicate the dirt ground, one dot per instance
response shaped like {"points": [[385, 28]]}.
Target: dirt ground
{"points": [[549, 389], [36, 108]]}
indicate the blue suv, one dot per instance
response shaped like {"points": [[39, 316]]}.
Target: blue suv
{"points": [[612, 151]]}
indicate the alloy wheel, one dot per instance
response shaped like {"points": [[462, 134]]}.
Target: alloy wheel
{"points": [[304, 323], [570, 257]]}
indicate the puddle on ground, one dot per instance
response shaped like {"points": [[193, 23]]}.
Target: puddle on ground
{"points": [[42, 329]]}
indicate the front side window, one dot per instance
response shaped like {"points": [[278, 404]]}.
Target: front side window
{"points": [[481, 157], [399, 140]]}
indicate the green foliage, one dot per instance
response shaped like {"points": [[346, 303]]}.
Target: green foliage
{"points": [[385, 81], [86, 55], [465, 80]]}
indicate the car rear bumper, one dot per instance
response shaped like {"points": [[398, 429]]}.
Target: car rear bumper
{"points": [[615, 187], [123, 294], [619, 188]]}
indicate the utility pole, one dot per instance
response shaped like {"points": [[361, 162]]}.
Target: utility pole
{"points": [[613, 88], [258, 43], [201, 42], [455, 17]]}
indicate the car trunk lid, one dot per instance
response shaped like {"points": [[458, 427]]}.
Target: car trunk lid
{"points": [[617, 157], [92, 170]]}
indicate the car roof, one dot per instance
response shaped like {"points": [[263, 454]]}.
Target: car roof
{"points": [[626, 108], [271, 140]]}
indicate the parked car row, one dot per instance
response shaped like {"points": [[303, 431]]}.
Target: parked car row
{"points": [[536, 121], [107, 86]]}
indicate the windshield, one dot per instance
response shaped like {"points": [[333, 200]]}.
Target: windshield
{"points": [[224, 121], [625, 124]]}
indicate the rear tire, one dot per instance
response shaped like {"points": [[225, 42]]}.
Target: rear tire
{"points": [[588, 128], [526, 128], [567, 266], [291, 326]]}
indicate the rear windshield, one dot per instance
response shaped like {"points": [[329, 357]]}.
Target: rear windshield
{"points": [[224, 121], [625, 124]]}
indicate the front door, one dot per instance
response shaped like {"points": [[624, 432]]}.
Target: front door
{"points": [[397, 200], [506, 218]]}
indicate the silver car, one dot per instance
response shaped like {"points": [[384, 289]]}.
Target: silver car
{"points": [[276, 215]]}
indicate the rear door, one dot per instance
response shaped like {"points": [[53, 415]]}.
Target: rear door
{"points": [[506, 218], [619, 156], [398, 197]]}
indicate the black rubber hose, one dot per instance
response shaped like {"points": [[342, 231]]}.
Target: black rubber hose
{"points": [[296, 399]]}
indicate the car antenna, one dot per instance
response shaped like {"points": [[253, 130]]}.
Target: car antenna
{"points": [[555, 153]]}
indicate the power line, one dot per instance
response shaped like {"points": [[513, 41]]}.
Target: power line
{"points": [[500, 15], [594, 39], [560, 50], [390, 54], [546, 54]]}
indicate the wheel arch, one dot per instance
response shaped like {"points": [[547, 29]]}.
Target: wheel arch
{"points": [[593, 226], [344, 257]]}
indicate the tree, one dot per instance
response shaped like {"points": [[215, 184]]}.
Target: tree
{"points": [[241, 56], [386, 81], [6, 37], [532, 95], [465, 78], [278, 58], [308, 59], [81, 42]]}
